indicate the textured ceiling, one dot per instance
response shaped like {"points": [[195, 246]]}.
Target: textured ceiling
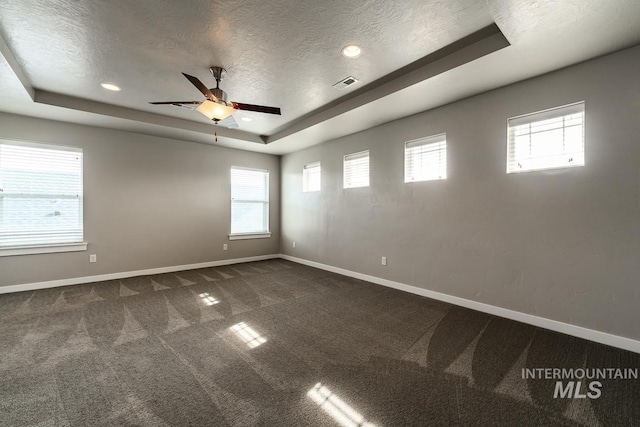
{"points": [[285, 54]]}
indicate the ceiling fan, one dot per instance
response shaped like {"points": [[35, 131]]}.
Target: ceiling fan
{"points": [[215, 106]]}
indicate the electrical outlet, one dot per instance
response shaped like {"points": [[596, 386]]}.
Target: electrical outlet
{"points": [[93, 258], [224, 247], [384, 260], [294, 244]]}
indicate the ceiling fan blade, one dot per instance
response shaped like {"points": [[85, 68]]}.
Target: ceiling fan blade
{"points": [[257, 108], [176, 103], [201, 87], [229, 122]]}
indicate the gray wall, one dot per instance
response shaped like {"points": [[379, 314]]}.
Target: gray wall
{"points": [[149, 202], [563, 245]]}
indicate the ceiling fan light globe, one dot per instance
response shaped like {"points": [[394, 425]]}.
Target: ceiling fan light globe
{"points": [[214, 111]]}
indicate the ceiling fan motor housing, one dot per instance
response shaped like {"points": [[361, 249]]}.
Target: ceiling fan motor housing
{"points": [[219, 93]]}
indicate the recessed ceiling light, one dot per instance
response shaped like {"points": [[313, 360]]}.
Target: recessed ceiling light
{"points": [[351, 51], [110, 86], [246, 119]]}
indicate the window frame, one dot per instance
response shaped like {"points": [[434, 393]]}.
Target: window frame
{"points": [[439, 138], [252, 234], [49, 247], [344, 170], [305, 181], [539, 116]]}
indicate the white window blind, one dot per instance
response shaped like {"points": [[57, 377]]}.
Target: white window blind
{"points": [[356, 170], [40, 195], [425, 159], [311, 174], [249, 201], [548, 139]]}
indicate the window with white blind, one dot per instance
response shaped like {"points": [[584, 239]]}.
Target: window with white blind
{"points": [[356, 170], [249, 203], [311, 175], [40, 198], [547, 139], [425, 159]]}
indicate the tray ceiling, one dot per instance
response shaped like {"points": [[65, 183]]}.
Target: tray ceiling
{"points": [[287, 54]]}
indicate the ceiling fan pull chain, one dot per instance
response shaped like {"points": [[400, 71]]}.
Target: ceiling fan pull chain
{"points": [[215, 132]]}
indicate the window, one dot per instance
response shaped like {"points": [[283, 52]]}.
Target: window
{"points": [[40, 198], [425, 159], [548, 139], [311, 177], [356, 170], [249, 203]]}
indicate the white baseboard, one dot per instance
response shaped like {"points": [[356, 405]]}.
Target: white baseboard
{"points": [[125, 274], [554, 325]]}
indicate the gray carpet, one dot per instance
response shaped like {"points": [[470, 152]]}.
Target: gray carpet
{"points": [[275, 343]]}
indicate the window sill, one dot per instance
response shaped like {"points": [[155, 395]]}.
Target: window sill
{"points": [[245, 236], [43, 249]]}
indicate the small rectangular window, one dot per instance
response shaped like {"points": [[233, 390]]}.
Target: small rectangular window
{"points": [[425, 159], [311, 175], [356, 170], [547, 139], [41, 198], [249, 201]]}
